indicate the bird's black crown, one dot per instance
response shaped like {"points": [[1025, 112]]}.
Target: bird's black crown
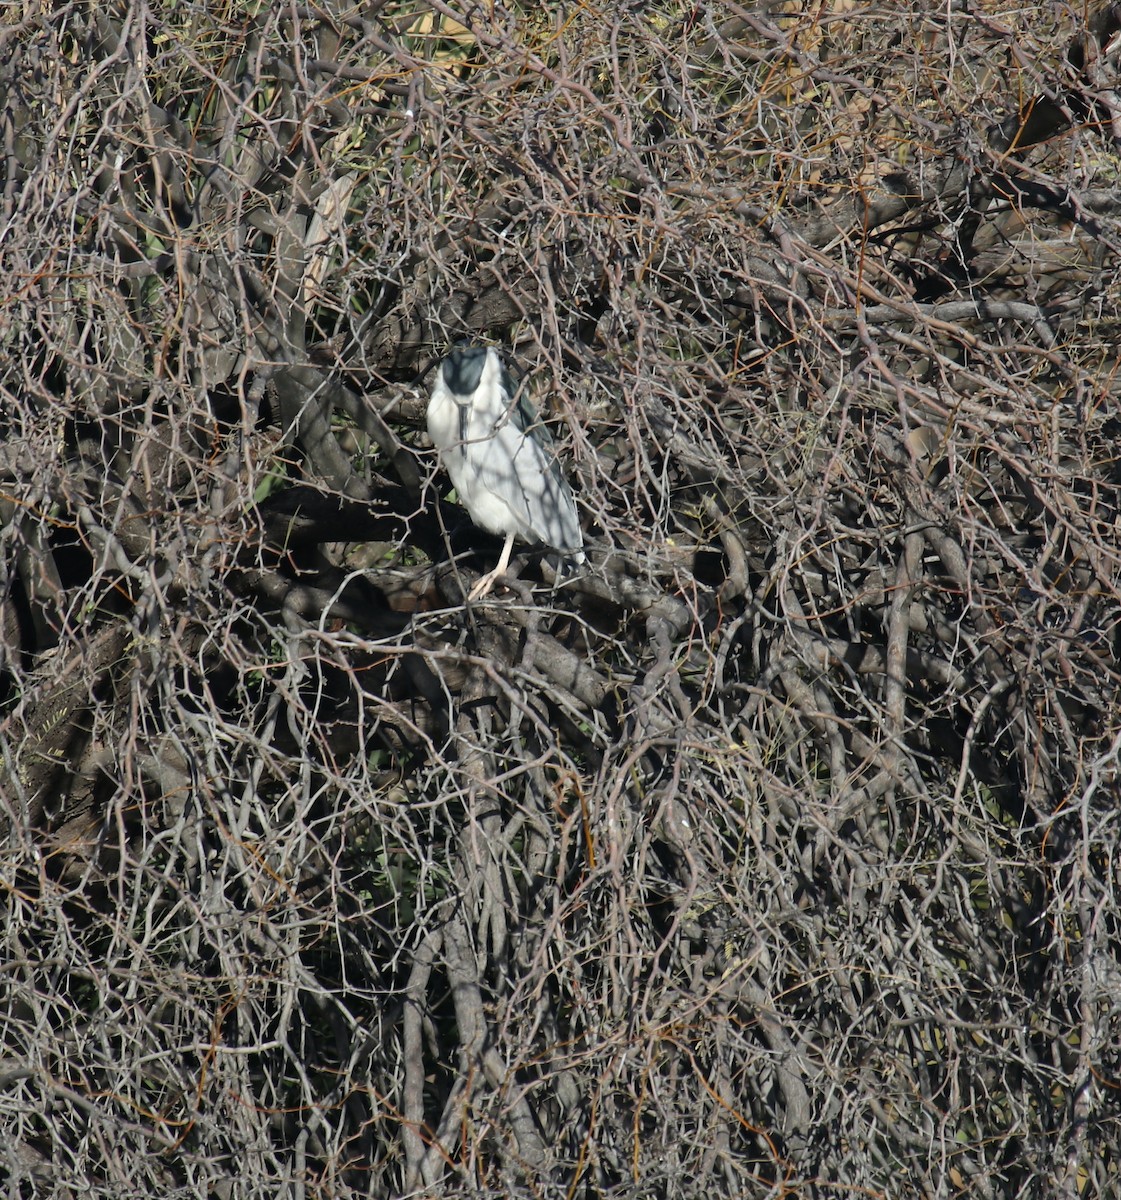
{"points": [[463, 368]]}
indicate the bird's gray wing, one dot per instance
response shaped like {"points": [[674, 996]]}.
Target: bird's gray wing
{"points": [[526, 475], [522, 413]]}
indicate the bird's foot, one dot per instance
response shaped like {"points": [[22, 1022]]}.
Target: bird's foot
{"points": [[483, 586]]}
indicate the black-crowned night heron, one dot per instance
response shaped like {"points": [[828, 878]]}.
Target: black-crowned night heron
{"points": [[500, 458]]}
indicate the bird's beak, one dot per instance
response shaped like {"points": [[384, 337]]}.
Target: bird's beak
{"points": [[463, 428]]}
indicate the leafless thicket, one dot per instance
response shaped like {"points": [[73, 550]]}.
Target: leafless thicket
{"points": [[776, 855]]}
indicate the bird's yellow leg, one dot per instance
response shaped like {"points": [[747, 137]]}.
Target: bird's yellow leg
{"points": [[484, 585]]}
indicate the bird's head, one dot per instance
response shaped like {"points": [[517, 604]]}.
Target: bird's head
{"points": [[463, 368]]}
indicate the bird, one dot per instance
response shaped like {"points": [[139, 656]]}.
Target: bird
{"points": [[500, 457]]}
